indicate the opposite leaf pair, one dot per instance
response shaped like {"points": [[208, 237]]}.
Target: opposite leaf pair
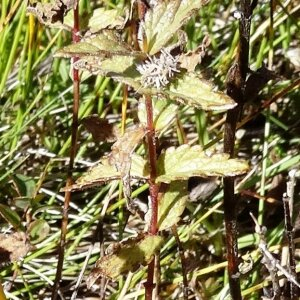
{"points": [[179, 163], [155, 70]]}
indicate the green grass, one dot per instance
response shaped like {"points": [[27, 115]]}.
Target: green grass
{"points": [[35, 108]]}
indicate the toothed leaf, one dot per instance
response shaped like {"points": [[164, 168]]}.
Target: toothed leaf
{"points": [[197, 92], [106, 171], [106, 18], [163, 21], [106, 43], [126, 256], [192, 90], [105, 54], [185, 161]]}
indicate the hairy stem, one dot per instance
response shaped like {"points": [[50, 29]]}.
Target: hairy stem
{"points": [[235, 88], [64, 224], [152, 161], [153, 190]]}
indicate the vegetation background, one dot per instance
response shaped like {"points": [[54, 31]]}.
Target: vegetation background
{"points": [[35, 125]]}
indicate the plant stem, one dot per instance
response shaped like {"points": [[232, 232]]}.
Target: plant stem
{"points": [[289, 232], [183, 263], [64, 224], [235, 88], [153, 190]]}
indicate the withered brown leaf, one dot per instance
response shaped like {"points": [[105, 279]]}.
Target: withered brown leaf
{"points": [[127, 255], [121, 154], [105, 171], [13, 247], [52, 14], [192, 58], [101, 129]]}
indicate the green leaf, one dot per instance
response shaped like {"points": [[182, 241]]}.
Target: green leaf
{"points": [[11, 217], [185, 161], [105, 171], [164, 113], [163, 21], [126, 256], [100, 173], [106, 54], [120, 68], [103, 19], [38, 230], [192, 90], [172, 204], [197, 92], [22, 202], [26, 185], [106, 43]]}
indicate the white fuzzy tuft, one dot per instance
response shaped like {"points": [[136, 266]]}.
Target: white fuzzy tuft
{"points": [[157, 71]]}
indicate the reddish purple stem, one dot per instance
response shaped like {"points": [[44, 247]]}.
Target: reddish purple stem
{"points": [[153, 190], [64, 224]]}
